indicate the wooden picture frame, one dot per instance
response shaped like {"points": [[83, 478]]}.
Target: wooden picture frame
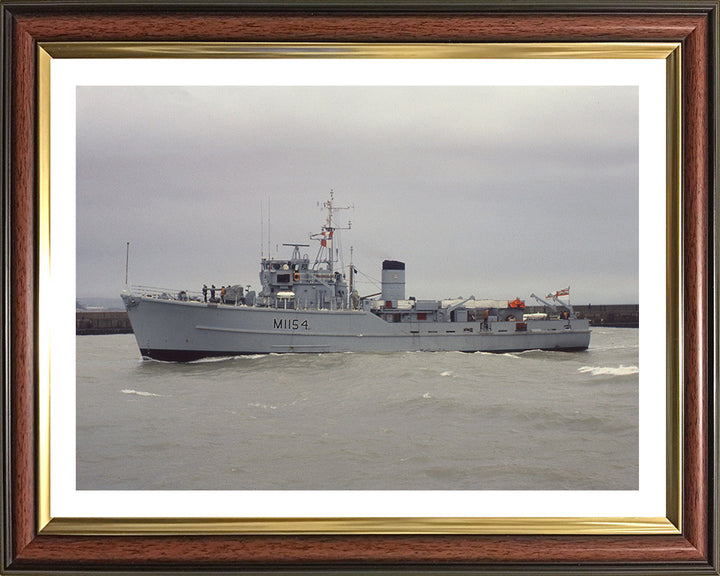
{"points": [[29, 548]]}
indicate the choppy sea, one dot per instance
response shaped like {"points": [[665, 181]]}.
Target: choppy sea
{"points": [[379, 421]]}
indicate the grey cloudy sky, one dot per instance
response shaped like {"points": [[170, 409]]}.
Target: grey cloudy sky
{"points": [[492, 191]]}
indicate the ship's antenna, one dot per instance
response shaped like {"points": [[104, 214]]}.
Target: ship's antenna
{"points": [[127, 260], [352, 271], [262, 231], [268, 227]]}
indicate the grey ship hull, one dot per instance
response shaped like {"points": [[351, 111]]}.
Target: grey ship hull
{"points": [[184, 330]]}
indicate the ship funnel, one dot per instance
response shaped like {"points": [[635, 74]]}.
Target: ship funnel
{"points": [[393, 280]]}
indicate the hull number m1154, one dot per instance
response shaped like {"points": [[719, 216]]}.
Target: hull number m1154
{"points": [[287, 324]]}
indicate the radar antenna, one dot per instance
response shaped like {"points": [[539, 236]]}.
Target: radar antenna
{"points": [[296, 250]]}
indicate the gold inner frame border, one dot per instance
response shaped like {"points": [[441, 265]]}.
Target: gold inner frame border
{"points": [[670, 524]]}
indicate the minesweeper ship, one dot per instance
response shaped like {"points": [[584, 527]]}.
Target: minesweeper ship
{"points": [[309, 307]]}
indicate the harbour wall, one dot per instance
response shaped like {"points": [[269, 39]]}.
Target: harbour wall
{"points": [[88, 322], [610, 315]]}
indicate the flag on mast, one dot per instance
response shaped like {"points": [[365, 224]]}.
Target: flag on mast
{"points": [[563, 292]]}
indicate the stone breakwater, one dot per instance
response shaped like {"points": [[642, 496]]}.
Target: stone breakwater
{"points": [[610, 315], [88, 322]]}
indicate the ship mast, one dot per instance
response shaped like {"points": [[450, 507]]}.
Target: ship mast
{"points": [[352, 271], [326, 237]]}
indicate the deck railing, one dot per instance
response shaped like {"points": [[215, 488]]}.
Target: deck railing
{"points": [[169, 293]]}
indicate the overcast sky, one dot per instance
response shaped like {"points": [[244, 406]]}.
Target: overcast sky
{"points": [[496, 192]]}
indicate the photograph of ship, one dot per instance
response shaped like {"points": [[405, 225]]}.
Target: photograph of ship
{"points": [[306, 307], [358, 287]]}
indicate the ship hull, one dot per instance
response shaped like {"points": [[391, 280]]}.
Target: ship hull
{"points": [[173, 330]]}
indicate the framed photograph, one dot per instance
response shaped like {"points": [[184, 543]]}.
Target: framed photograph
{"points": [[523, 180]]}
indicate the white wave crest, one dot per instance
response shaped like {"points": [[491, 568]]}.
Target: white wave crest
{"points": [[609, 370], [210, 360], [139, 393], [446, 373], [263, 406]]}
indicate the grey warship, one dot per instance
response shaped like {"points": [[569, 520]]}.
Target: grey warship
{"points": [[310, 306]]}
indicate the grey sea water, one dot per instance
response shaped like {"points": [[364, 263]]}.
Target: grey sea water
{"points": [[394, 421]]}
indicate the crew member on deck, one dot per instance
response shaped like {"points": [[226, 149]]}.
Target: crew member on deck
{"points": [[204, 291]]}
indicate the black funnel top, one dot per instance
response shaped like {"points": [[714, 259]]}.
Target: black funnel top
{"points": [[393, 265]]}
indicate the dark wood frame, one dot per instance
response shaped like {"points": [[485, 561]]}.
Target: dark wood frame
{"points": [[692, 23]]}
